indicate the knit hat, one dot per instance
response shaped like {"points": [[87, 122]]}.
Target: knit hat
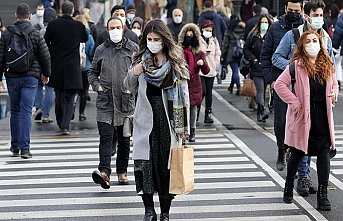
{"points": [[207, 23], [131, 8]]}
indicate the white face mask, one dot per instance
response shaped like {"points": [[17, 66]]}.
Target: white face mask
{"points": [[317, 22], [130, 16], [312, 49], [154, 47], [40, 13], [122, 19], [207, 34], [178, 19], [137, 31], [116, 35]]}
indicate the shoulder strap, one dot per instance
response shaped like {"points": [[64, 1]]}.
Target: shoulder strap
{"points": [[296, 34], [292, 73]]}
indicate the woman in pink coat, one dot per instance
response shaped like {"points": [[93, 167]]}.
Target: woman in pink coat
{"points": [[309, 119]]}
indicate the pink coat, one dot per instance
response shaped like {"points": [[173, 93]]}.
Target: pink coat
{"points": [[298, 128]]}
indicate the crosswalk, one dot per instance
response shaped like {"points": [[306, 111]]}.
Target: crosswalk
{"points": [[56, 184]]}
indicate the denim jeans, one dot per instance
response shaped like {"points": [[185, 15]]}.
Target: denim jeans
{"points": [[280, 109], [22, 92], [44, 101], [108, 137], [235, 74]]}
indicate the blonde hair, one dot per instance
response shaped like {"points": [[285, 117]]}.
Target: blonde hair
{"points": [[86, 13], [82, 19]]}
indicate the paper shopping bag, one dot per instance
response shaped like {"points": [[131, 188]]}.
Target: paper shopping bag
{"points": [[182, 170]]}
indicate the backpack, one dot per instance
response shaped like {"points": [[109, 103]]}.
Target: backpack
{"points": [[237, 50], [42, 28], [19, 53], [83, 56]]}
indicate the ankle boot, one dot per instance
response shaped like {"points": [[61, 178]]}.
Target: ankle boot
{"points": [[150, 214], [230, 89], [259, 113], [288, 191], [164, 217], [322, 197], [281, 159], [238, 92], [208, 117], [265, 116], [198, 112], [192, 135], [82, 117]]}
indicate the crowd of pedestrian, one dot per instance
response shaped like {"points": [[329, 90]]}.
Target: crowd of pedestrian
{"points": [[159, 74]]}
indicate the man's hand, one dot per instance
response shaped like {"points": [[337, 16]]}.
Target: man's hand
{"points": [[100, 88], [45, 80]]}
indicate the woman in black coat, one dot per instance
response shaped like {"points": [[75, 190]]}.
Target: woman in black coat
{"points": [[252, 50]]}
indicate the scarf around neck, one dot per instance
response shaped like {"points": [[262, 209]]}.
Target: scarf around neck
{"points": [[165, 77]]}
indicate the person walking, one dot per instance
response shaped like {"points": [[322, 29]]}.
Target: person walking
{"points": [[337, 42], [22, 81], [189, 40], [44, 99], [176, 25], [38, 17], [210, 45], [251, 50], [66, 75], [309, 118], [88, 51], [2, 27], [137, 26], [234, 32], [313, 14], [159, 74], [114, 102]]}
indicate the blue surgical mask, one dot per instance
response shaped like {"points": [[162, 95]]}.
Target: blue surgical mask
{"points": [[264, 26]]}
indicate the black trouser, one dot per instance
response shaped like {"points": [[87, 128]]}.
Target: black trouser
{"points": [[207, 86], [323, 164], [280, 109], [108, 137], [84, 92], [64, 107]]}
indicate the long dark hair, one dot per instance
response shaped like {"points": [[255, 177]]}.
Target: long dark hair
{"points": [[257, 29], [173, 52]]}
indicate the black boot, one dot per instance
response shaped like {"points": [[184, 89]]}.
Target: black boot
{"points": [[150, 214], [238, 92], [208, 117], [259, 113], [281, 159], [322, 197], [230, 89], [82, 117], [198, 112], [265, 116], [192, 135], [165, 207], [288, 191]]}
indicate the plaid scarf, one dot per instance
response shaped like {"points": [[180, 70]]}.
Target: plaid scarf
{"points": [[165, 78]]}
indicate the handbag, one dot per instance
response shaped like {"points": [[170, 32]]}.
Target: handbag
{"points": [[248, 88], [128, 126], [182, 170]]}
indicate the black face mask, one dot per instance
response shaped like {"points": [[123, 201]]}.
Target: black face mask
{"points": [[190, 41], [293, 16]]}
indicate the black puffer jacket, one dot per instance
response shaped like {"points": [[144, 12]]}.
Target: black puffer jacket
{"points": [[252, 49], [40, 50]]}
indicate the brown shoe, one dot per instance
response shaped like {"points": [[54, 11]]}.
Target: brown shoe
{"points": [[101, 178], [122, 179]]}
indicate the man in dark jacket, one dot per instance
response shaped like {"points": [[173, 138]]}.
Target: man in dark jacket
{"points": [[219, 24], [63, 37], [119, 11], [111, 62], [292, 19], [177, 24], [250, 24], [22, 86], [338, 41]]}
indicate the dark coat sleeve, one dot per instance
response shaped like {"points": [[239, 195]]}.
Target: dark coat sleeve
{"points": [[2, 52], [266, 55], [247, 50], [43, 56], [103, 36], [338, 34], [94, 71]]}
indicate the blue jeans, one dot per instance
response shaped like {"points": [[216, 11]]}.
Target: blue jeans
{"points": [[304, 167], [45, 103], [22, 92], [235, 74]]}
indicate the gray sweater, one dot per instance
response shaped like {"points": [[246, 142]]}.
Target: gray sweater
{"points": [[143, 118]]}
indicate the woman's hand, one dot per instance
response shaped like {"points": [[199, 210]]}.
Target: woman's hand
{"points": [[333, 98], [100, 88], [297, 110], [200, 62], [138, 69]]}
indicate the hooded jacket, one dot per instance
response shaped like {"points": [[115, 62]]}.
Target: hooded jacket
{"points": [[218, 21], [194, 83], [338, 35], [230, 38]]}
